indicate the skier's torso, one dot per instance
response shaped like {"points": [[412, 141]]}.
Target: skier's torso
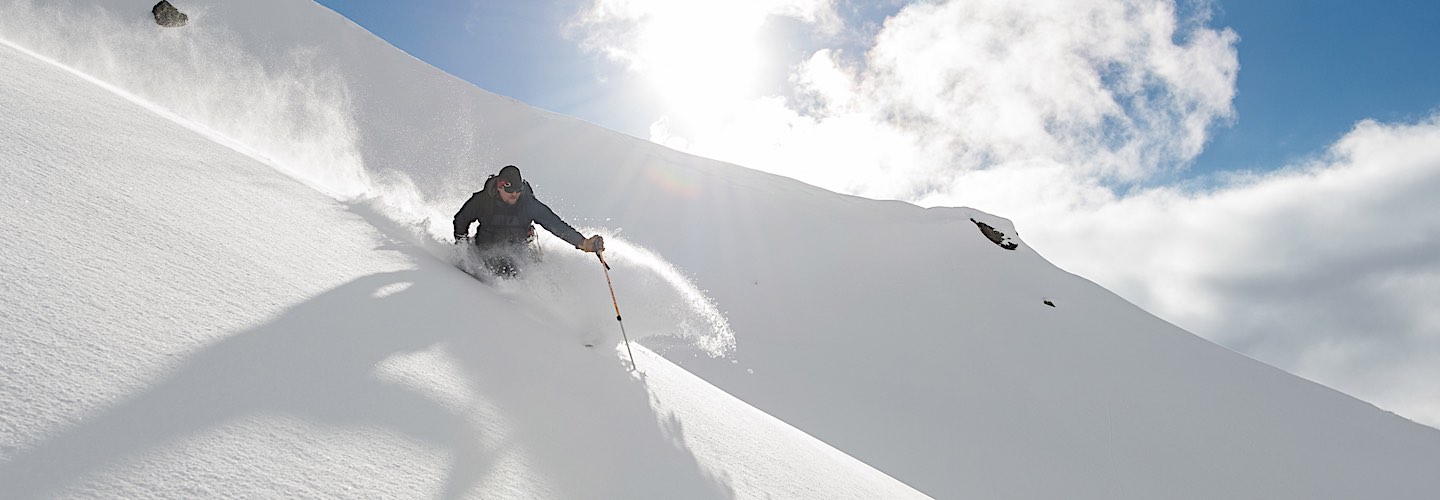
{"points": [[505, 224]]}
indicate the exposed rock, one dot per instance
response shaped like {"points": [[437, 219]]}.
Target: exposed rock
{"points": [[168, 16], [1048, 303], [995, 236]]}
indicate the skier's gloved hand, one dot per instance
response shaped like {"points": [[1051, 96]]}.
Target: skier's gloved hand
{"points": [[593, 244]]}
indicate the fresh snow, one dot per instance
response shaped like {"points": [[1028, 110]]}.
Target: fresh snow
{"points": [[183, 321], [225, 275]]}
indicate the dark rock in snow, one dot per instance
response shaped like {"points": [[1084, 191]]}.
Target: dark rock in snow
{"points": [[168, 16], [1048, 303], [995, 236]]}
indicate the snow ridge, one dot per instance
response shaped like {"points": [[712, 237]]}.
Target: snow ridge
{"points": [[182, 320]]}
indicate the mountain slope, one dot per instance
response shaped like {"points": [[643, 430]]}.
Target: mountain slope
{"points": [[183, 321], [899, 335]]}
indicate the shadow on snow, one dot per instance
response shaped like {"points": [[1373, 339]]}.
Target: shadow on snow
{"points": [[591, 427]]}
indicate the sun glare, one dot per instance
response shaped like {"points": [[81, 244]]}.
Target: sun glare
{"points": [[702, 62], [712, 67]]}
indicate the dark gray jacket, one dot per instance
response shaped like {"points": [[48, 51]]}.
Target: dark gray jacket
{"points": [[501, 223]]}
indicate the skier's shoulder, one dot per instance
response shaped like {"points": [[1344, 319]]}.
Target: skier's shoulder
{"points": [[478, 204], [477, 198], [536, 203]]}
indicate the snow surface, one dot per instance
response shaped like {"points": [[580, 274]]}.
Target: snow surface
{"points": [[225, 274], [183, 321]]}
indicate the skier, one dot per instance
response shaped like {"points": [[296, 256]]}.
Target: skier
{"points": [[505, 209]]}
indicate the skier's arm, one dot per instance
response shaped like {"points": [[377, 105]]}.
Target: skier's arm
{"points": [[547, 219], [469, 212]]}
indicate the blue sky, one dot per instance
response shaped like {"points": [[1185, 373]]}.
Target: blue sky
{"points": [[523, 50], [1264, 174], [1309, 69]]}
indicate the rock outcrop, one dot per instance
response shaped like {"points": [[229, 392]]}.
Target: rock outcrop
{"points": [[168, 16], [995, 236]]}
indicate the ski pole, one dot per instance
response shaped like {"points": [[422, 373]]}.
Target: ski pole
{"points": [[606, 266]]}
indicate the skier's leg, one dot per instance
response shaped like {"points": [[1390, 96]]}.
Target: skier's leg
{"points": [[502, 266]]}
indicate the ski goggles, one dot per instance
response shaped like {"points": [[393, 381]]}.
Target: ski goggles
{"points": [[507, 186]]}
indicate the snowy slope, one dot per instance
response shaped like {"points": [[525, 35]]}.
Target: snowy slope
{"points": [[896, 334], [183, 321]]}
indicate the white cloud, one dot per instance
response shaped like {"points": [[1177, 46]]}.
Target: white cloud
{"points": [[1327, 269], [1046, 111], [1102, 87]]}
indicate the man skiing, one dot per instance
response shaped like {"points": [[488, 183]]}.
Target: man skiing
{"points": [[505, 209]]}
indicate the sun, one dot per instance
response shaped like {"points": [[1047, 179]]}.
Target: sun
{"points": [[702, 62]]}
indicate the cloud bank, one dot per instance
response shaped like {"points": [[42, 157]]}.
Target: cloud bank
{"points": [[1075, 119], [1326, 269], [1111, 90]]}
